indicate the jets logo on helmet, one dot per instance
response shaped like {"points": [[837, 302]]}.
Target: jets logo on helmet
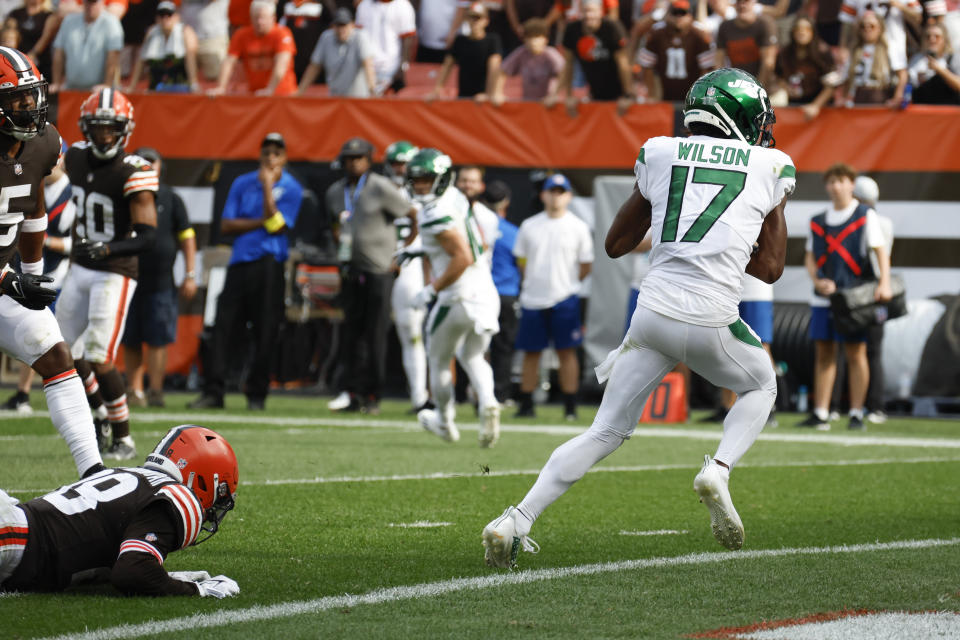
{"points": [[106, 120], [396, 158], [430, 163], [23, 96], [205, 464], [734, 103]]}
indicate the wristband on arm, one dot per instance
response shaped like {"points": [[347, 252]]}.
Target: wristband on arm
{"points": [[274, 223]]}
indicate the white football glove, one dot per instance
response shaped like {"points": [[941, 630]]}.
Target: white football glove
{"points": [[218, 587], [190, 576], [424, 297]]}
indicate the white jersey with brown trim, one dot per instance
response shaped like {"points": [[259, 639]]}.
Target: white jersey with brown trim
{"points": [[101, 192]]}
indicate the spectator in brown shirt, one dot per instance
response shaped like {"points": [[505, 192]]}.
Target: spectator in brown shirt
{"points": [[805, 69], [676, 54], [749, 41]]}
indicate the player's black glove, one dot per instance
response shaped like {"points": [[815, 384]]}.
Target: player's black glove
{"points": [[27, 289], [91, 250]]}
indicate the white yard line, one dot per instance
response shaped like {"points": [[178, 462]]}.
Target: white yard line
{"points": [[658, 532], [447, 475], [642, 431], [493, 580]]}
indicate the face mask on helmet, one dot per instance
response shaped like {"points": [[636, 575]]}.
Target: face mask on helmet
{"points": [[203, 461], [106, 134], [24, 110], [428, 175]]}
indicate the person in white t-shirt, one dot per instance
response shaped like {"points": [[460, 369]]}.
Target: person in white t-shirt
{"points": [[470, 183], [838, 250], [714, 205], [554, 250], [391, 26]]}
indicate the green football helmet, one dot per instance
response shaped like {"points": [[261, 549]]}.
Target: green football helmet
{"points": [[430, 163], [399, 152], [735, 103]]}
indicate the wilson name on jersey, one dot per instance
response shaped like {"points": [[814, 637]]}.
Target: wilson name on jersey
{"points": [[709, 197], [451, 211], [101, 192], [20, 179], [88, 524]]}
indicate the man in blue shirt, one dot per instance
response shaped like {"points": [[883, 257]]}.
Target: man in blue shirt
{"points": [[261, 207], [506, 277]]}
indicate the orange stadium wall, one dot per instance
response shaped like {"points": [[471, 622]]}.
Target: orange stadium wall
{"points": [[519, 134]]}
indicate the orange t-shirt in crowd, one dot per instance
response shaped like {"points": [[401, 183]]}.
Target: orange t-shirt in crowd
{"points": [[257, 54], [238, 13]]}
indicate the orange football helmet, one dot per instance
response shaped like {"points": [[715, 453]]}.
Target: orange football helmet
{"points": [[204, 462], [23, 96], [106, 120]]}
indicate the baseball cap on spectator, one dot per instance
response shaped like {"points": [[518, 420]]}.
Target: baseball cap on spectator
{"points": [[557, 181], [680, 4], [273, 138], [356, 147], [166, 8], [866, 190], [342, 16], [497, 191], [595, 3]]}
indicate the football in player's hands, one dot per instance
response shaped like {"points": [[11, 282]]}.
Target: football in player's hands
{"points": [[190, 576], [27, 289], [218, 587], [91, 250]]}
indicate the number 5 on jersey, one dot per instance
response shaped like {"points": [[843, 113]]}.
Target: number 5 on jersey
{"points": [[731, 183]]}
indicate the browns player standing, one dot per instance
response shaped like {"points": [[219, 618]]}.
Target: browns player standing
{"points": [[29, 149], [116, 220], [120, 524]]}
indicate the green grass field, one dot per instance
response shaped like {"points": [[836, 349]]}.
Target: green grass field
{"points": [[322, 545]]}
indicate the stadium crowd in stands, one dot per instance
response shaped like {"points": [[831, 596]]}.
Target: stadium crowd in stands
{"points": [[809, 54]]}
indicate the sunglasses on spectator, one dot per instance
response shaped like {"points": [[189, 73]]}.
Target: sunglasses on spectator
{"points": [[475, 16], [678, 12], [869, 26]]}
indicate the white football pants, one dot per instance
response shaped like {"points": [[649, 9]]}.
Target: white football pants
{"points": [[452, 331], [409, 324], [729, 357], [92, 311]]}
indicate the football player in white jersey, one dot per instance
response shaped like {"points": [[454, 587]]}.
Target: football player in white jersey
{"points": [[465, 314], [408, 320], [714, 204]]}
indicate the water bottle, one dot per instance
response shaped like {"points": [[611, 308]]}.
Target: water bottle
{"points": [[907, 96], [802, 399]]}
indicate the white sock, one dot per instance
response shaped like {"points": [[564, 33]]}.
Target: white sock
{"points": [[441, 386], [822, 414], [856, 413], [568, 463], [743, 424], [70, 414]]}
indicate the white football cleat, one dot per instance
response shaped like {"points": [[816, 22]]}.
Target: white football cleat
{"points": [[490, 427], [339, 403], [501, 544], [430, 420], [711, 486]]}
